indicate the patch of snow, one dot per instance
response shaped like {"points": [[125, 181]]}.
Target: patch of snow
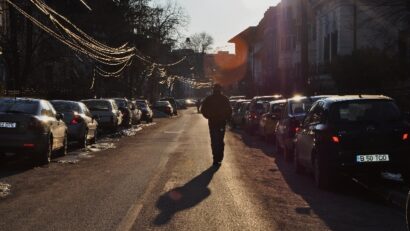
{"points": [[5, 190]]}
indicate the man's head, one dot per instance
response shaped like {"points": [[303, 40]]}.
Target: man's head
{"points": [[217, 89]]}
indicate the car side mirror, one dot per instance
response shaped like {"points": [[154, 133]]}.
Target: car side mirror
{"points": [[60, 116]]}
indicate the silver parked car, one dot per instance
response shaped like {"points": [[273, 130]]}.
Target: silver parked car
{"points": [[147, 113], [31, 127], [106, 111], [136, 113], [82, 125]]}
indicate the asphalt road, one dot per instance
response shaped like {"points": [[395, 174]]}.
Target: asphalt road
{"points": [[160, 179]]}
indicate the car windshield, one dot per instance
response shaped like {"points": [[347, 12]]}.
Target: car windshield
{"points": [[66, 107], [372, 111], [19, 106], [162, 103], [121, 103], [300, 107], [98, 105], [141, 104]]}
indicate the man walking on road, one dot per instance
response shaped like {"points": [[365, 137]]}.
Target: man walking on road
{"points": [[217, 109]]}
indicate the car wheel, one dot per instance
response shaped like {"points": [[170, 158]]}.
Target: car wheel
{"points": [[278, 149], [63, 150], [321, 174], [44, 157], [288, 154], [82, 143], [298, 167]]}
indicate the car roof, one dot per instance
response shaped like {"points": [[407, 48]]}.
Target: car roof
{"points": [[22, 99], [342, 98], [267, 97], [65, 101], [88, 100], [277, 101]]}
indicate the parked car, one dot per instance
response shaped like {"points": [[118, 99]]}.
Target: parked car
{"points": [[165, 107], [125, 108], [173, 103], [256, 110], [352, 135], [269, 120], [292, 115], [82, 125], [147, 114], [136, 113], [189, 102], [106, 111], [181, 104], [237, 97], [31, 127], [238, 113]]}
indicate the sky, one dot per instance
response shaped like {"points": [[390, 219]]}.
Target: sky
{"points": [[223, 19]]}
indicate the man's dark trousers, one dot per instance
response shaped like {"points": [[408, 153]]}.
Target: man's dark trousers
{"points": [[217, 132]]}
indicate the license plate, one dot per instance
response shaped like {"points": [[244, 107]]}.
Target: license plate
{"points": [[373, 158], [7, 125]]}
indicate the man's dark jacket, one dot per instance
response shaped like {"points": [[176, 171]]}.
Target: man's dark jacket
{"points": [[217, 109]]}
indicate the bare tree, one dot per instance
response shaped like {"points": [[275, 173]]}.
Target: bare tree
{"points": [[200, 42]]}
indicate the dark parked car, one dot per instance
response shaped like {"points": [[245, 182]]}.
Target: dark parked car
{"points": [[164, 106], [352, 135], [292, 115], [82, 125], [106, 111], [147, 114], [32, 127], [173, 103]]}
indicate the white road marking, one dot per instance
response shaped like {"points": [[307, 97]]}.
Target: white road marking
{"points": [[135, 210]]}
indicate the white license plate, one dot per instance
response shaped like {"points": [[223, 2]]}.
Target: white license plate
{"points": [[7, 125], [373, 158]]}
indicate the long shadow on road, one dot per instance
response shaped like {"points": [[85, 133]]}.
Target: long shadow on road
{"points": [[185, 197]]}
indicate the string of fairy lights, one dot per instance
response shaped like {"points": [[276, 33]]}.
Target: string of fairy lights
{"points": [[117, 58]]}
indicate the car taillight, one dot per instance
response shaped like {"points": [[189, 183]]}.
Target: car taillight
{"points": [[335, 139], [294, 127], [297, 129], [405, 136], [254, 115], [76, 120], [35, 124]]}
